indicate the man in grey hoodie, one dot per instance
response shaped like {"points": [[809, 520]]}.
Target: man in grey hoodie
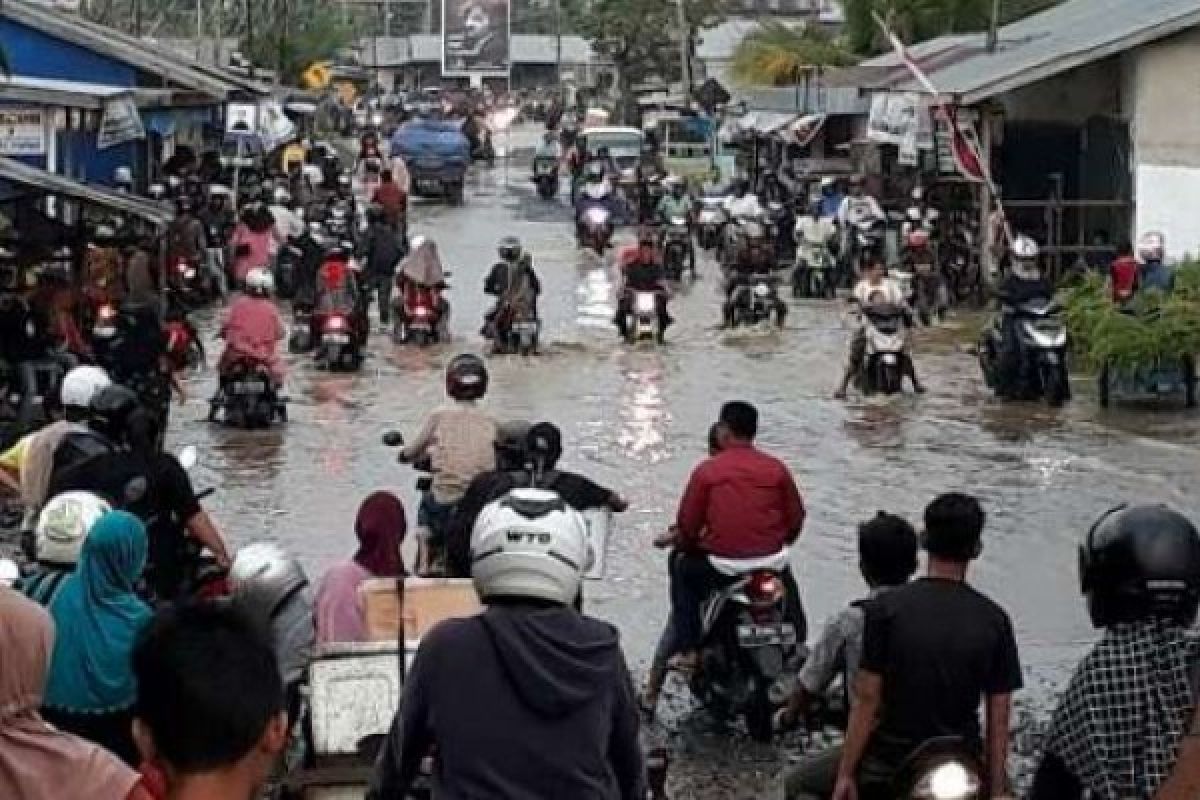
{"points": [[529, 700]]}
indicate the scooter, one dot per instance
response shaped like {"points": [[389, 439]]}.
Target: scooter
{"points": [[520, 335], [927, 288], [748, 643], [189, 281], [597, 229], [641, 321], [813, 274], [1041, 358], [418, 319], [246, 397], [885, 359], [710, 221], [184, 349], [338, 346], [545, 176], [677, 249], [755, 300]]}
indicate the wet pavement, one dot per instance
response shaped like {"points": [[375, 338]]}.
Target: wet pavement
{"points": [[636, 420]]}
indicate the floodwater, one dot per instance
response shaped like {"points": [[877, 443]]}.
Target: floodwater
{"points": [[636, 420]]}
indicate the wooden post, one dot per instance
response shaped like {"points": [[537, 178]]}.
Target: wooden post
{"points": [[989, 270]]}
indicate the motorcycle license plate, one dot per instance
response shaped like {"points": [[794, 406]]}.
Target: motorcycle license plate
{"points": [[1051, 358], [890, 358], [430, 185], [525, 327], [249, 387], [783, 633], [336, 338]]}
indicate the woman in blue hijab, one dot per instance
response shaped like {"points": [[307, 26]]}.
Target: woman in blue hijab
{"points": [[91, 688]]}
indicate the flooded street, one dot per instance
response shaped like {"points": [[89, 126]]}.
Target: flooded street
{"points": [[636, 420]]}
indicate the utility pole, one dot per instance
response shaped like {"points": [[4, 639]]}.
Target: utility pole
{"points": [[685, 46], [218, 31], [137, 18], [993, 36], [199, 30], [558, 43]]}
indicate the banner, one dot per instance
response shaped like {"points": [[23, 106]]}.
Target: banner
{"points": [[241, 118], [22, 132], [475, 37], [274, 127], [894, 117], [121, 122]]}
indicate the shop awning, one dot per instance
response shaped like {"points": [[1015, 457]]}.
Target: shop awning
{"points": [[75, 94], [45, 182]]}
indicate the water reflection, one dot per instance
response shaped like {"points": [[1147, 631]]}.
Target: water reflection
{"points": [[642, 410]]}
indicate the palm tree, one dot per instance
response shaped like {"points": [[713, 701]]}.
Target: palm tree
{"points": [[775, 54]]}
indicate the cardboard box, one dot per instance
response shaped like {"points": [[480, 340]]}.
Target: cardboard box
{"points": [[424, 603]]}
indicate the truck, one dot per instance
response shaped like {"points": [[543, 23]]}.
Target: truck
{"points": [[437, 154]]}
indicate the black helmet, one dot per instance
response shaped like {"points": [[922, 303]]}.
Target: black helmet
{"points": [[1139, 562], [111, 410], [509, 248], [466, 377], [510, 445], [647, 236]]}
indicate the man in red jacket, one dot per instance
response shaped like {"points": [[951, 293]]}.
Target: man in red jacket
{"points": [[739, 504]]}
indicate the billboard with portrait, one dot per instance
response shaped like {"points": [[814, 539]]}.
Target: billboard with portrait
{"points": [[475, 37]]}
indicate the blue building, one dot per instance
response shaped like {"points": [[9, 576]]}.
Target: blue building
{"points": [[67, 74]]}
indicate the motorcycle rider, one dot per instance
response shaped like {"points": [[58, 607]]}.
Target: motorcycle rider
{"points": [[525, 456], [458, 439], [392, 199], [515, 286], [856, 209], [549, 149], [746, 268], [253, 328], [741, 503], [1155, 274], [921, 676], [543, 688], [817, 240], [641, 271], [650, 169], [187, 238], [271, 589], [875, 288], [58, 539], [743, 204], [147, 482], [24, 343], [219, 221], [288, 224], [677, 204], [383, 248], [421, 273], [887, 558], [1024, 283], [595, 192], [1124, 715], [829, 202]]}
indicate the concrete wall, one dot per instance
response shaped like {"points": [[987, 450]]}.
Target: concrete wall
{"points": [[1166, 140]]}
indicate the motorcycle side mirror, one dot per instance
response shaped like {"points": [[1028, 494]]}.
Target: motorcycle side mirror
{"points": [[189, 456], [393, 439]]}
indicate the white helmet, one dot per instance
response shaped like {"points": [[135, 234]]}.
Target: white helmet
{"points": [[263, 575], [64, 524], [313, 173], [82, 384], [416, 242], [530, 543], [282, 196], [260, 281], [1024, 248], [1151, 246], [122, 176], [918, 193]]}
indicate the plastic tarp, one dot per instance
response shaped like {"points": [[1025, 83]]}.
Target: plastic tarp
{"points": [[423, 265], [431, 138]]}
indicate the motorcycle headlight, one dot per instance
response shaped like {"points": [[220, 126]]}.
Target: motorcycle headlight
{"points": [[189, 273], [762, 290], [596, 216], [644, 303], [948, 780]]}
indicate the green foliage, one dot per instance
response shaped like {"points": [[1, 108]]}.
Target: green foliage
{"points": [[919, 20], [775, 54], [289, 35], [1154, 327]]}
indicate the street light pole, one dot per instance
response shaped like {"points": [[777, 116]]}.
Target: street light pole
{"points": [[685, 41], [558, 43]]}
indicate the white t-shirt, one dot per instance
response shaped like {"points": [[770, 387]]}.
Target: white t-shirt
{"points": [[743, 207], [868, 295]]}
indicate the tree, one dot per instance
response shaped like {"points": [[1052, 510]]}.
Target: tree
{"points": [[289, 35], [640, 37], [775, 54], [918, 20]]}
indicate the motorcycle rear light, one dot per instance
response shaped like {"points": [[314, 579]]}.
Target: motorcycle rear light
{"points": [[764, 589], [107, 313], [336, 323]]}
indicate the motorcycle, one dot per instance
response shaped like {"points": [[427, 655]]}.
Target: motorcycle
{"points": [[436, 544], [1041, 359], [184, 349], [641, 320], [597, 229], [813, 274], [518, 334], [754, 300], [927, 288], [710, 222], [545, 176], [247, 397], [189, 281], [677, 249], [287, 264], [338, 345], [748, 643], [940, 769], [418, 318], [885, 357], [866, 236]]}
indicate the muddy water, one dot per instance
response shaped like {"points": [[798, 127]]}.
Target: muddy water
{"points": [[636, 420]]}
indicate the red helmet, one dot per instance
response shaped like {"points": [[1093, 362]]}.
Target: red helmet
{"points": [[917, 239]]}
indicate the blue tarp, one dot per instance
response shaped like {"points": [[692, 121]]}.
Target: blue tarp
{"points": [[431, 139]]}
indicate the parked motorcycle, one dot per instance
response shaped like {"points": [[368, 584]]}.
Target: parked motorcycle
{"points": [[1039, 367], [246, 397], [885, 359], [748, 643], [545, 176], [677, 249], [597, 229]]}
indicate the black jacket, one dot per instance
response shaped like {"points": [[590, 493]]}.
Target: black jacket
{"points": [[382, 250], [521, 702]]}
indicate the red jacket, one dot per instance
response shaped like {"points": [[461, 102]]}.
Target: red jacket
{"points": [[741, 503], [1124, 273]]}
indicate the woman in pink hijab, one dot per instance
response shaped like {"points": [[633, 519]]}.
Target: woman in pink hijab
{"points": [[380, 528], [38, 761]]}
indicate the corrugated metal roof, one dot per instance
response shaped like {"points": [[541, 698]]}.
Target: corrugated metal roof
{"points": [[1067, 36], [824, 100], [73, 94], [53, 183], [394, 51], [139, 53]]}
